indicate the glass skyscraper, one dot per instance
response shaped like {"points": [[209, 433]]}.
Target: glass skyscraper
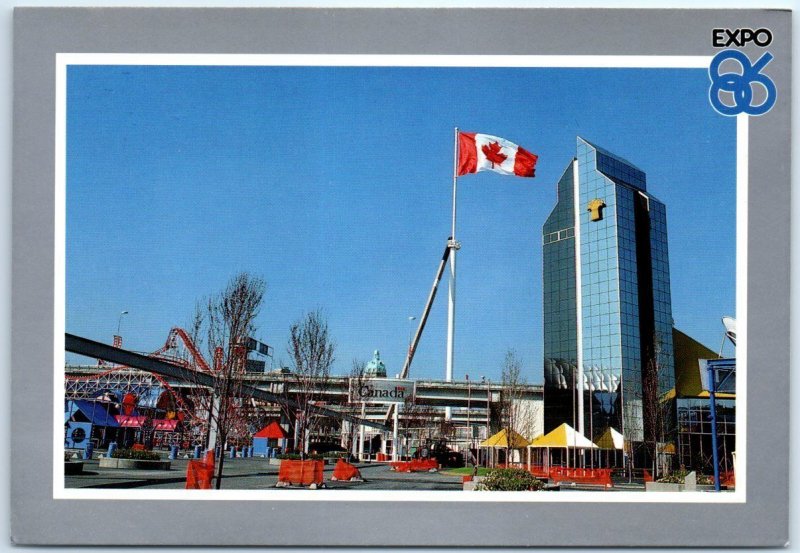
{"points": [[608, 352]]}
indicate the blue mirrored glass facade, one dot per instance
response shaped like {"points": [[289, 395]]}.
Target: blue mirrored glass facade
{"points": [[607, 301]]}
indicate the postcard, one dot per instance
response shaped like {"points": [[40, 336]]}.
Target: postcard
{"points": [[300, 272]]}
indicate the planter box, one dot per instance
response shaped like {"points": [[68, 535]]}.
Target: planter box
{"points": [[663, 487], [73, 467], [470, 485], [709, 487], [138, 464], [274, 461]]}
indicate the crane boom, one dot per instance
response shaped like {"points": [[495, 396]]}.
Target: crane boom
{"points": [[451, 245], [427, 311]]}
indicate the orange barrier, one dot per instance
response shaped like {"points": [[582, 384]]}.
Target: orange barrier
{"points": [[200, 473], [423, 464], [539, 471], [647, 476], [582, 476], [345, 471], [415, 465], [380, 457], [300, 472], [728, 479]]}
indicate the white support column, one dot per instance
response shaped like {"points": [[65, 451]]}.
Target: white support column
{"points": [[578, 292], [395, 444], [213, 422], [361, 435], [344, 433], [451, 315]]}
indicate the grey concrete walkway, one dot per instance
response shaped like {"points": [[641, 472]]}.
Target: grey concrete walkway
{"points": [[255, 474]]}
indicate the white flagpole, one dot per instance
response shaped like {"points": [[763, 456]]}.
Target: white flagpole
{"points": [[451, 303]]}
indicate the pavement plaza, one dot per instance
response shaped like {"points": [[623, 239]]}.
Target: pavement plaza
{"points": [[257, 474]]}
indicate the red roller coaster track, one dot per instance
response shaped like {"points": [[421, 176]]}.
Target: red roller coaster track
{"points": [[171, 344]]}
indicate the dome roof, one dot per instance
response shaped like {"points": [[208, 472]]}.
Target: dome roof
{"points": [[376, 367]]}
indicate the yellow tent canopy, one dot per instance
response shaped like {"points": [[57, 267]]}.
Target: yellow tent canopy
{"points": [[563, 436], [668, 448], [610, 439], [500, 440]]}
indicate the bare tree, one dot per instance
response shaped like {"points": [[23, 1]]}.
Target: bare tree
{"points": [[311, 351], [528, 418], [227, 320], [512, 384], [658, 414], [420, 423], [357, 378]]}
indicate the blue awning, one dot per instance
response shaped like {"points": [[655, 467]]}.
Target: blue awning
{"points": [[94, 412]]}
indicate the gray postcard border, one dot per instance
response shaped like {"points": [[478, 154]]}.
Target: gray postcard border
{"points": [[37, 518]]}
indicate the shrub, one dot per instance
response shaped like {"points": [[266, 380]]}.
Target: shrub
{"points": [[296, 457], [679, 477], [138, 454], [509, 480], [335, 454], [705, 480]]}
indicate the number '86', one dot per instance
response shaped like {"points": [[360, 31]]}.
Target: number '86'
{"points": [[741, 85]]}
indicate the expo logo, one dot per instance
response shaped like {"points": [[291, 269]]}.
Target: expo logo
{"points": [[743, 88], [722, 38]]}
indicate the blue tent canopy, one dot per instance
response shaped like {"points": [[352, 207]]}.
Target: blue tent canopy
{"points": [[94, 412]]}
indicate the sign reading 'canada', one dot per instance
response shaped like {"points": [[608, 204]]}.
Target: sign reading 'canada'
{"points": [[380, 390]]}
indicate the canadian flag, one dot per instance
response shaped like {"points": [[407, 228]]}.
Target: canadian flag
{"points": [[484, 152]]}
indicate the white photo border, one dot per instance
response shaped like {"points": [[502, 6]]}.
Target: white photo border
{"points": [[64, 60]]}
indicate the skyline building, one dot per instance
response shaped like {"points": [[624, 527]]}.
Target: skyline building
{"points": [[607, 310]]}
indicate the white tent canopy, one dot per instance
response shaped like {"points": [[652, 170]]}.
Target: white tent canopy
{"points": [[564, 436]]}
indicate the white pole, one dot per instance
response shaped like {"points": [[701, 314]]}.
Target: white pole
{"points": [[394, 435], [574, 458], [451, 299], [591, 415], [213, 423], [361, 434], [578, 290]]}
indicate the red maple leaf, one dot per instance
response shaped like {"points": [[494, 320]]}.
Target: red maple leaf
{"points": [[494, 153]]}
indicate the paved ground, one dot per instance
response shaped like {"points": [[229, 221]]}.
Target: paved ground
{"points": [[255, 474]]}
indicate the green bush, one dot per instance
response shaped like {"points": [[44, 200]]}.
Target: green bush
{"points": [[679, 477], [509, 480], [296, 457], [334, 454], [704, 480], [138, 454]]}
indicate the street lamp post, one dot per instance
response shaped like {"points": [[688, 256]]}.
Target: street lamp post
{"points": [[410, 330], [119, 321], [117, 337]]}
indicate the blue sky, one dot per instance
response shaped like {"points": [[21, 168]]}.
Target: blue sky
{"points": [[334, 185]]}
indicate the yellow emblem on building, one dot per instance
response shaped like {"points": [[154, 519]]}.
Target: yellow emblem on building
{"points": [[596, 208]]}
